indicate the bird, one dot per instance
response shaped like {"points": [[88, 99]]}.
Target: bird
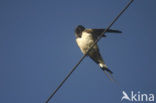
{"points": [[85, 38]]}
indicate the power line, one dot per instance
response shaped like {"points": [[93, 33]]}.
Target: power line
{"points": [[51, 96]]}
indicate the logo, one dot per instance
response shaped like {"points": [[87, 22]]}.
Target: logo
{"points": [[138, 96]]}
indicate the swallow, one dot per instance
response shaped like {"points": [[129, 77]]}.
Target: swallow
{"points": [[85, 38]]}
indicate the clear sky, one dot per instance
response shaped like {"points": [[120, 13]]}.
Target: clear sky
{"points": [[38, 49]]}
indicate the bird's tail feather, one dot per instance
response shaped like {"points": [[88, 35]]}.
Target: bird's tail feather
{"points": [[108, 72], [109, 76], [106, 69]]}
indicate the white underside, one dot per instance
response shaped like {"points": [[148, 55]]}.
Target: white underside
{"points": [[85, 42]]}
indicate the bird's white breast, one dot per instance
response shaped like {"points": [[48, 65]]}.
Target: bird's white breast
{"points": [[85, 42]]}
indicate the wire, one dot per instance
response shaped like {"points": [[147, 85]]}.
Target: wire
{"points": [[51, 96]]}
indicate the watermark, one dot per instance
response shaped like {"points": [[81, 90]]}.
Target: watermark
{"points": [[137, 96]]}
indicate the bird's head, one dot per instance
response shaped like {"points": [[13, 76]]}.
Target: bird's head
{"points": [[78, 31]]}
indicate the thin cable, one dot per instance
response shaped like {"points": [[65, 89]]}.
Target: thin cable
{"points": [[51, 96]]}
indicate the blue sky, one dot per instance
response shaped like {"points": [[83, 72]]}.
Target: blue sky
{"points": [[38, 49]]}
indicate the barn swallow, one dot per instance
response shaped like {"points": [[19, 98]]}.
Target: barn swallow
{"points": [[85, 38]]}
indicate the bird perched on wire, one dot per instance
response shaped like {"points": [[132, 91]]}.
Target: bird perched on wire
{"points": [[85, 38]]}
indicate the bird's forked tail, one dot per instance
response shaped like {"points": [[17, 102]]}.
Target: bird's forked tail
{"points": [[107, 71], [105, 68]]}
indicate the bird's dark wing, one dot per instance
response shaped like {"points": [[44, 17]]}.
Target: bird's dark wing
{"points": [[97, 32]]}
